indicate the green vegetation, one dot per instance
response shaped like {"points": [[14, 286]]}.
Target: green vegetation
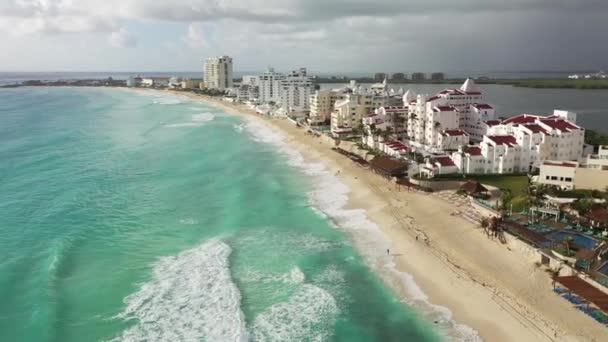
{"points": [[595, 138], [558, 83], [515, 187]]}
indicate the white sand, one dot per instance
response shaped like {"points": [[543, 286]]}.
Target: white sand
{"points": [[487, 285]]}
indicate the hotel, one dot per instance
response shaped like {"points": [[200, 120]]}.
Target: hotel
{"points": [[218, 73]]}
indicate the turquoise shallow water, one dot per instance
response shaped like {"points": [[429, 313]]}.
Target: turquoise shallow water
{"points": [[147, 218]]}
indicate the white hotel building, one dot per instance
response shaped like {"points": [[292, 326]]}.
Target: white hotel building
{"points": [[218, 73], [295, 91], [521, 143], [452, 109]]}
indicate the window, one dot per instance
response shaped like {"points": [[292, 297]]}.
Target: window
{"points": [[568, 179]]}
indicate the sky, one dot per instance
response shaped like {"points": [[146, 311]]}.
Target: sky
{"points": [[323, 35]]}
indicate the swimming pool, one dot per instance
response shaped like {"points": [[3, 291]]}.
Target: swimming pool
{"points": [[580, 240]]}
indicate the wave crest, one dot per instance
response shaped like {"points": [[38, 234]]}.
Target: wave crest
{"points": [[191, 296]]}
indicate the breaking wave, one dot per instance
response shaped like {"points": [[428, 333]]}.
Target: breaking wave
{"points": [[196, 121], [191, 297], [308, 315], [330, 197]]}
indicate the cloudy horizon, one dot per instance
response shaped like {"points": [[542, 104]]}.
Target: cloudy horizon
{"points": [[326, 36]]}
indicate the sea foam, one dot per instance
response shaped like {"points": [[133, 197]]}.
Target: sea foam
{"points": [[191, 297], [196, 121], [330, 197], [308, 315]]}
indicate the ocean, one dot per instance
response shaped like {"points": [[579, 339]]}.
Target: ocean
{"points": [[131, 216]]}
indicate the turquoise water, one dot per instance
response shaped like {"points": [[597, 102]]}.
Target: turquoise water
{"points": [[148, 218]]}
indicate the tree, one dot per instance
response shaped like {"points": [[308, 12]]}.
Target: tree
{"points": [[583, 205], [485, 224], [567, 242]]}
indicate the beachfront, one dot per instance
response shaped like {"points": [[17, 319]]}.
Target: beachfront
{"points": [[491, 287]]}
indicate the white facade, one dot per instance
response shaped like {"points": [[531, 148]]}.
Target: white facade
{"points": [[598, 161], [270, 86], [191, 83], [559, 174], [450, 109], [321, 104], [348, 113], [295, 91], [521, 143], [218, 73], [452, 139], [247, 92], [252, 80], [155, 82]]}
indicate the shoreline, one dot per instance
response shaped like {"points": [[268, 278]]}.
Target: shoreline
{"points": [[481, 294], [488, 287]]}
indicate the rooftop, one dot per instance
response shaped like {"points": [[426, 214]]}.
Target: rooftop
{"points": [[474, 150], [560, 163], [444, 161], [453, 132], [508, 140], [535, 128], [521, 119], [444, 109], [482, 106], [560, 124]]}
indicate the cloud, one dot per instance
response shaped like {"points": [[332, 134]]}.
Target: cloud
{"points": [[197, 36], [342, 34], [122, 39]]}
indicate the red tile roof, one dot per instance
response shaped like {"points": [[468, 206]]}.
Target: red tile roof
{"points": [[445, 161], [521, 119], [482, 106], [474, 151], [560, 124], [473, 93], [535, 128], [508, 140], [432, 98], [492, 122]]}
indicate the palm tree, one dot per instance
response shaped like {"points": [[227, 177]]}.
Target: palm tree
{"points": [[484, 223], [567, 242], [437, 124]]}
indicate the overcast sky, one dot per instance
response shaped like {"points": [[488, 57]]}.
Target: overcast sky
{"points": [[324, 35]]}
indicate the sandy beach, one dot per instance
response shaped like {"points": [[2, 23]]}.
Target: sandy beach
{"points": [[488, 286]]}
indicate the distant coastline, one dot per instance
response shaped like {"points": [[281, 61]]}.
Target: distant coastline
{"points": [[548, 83]]}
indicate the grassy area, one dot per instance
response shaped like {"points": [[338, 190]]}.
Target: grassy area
{"points": [[559, 83], [517, 186]]}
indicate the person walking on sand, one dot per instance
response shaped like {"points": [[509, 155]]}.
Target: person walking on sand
{"points": [[388, 252]]}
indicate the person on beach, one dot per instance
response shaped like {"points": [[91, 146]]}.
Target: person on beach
{"points": [[388, 252]]}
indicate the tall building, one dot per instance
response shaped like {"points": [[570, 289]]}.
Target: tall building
{"points": [[295, 91], [418, 76], [437, 76], [450, 109], [379, 77], [270, 86], [399, 76], [218, 73]]}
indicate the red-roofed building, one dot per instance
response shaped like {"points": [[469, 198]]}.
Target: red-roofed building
{"points": [[439, 165], [452, 139], [521, 119], [448, 110]]}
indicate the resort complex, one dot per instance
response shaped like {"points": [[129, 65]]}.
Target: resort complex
{"points": [[527, 181]]}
